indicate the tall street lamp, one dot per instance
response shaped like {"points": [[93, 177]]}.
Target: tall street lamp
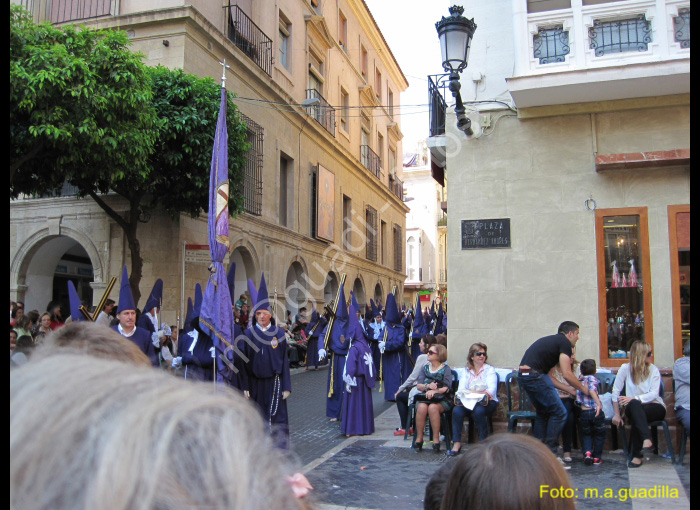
{"points": [[455, 33]]}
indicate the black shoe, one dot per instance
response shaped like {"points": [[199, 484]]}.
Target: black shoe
{"points": [[436, 447], [452, 453], [418, 447], [630, 464]]}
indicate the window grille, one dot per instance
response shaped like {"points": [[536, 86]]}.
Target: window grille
{"points": [[681, 28], [551, 44], [371, 233], [620, 36], [252, 178]]}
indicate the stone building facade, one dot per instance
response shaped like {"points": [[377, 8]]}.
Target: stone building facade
{"points": [[319, 88]]}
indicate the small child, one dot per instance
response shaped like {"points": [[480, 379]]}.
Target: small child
{"points": [[592, 418]]}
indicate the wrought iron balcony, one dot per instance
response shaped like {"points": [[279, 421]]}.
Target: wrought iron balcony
{"points": [[60, 11], [437, 87], [245, 34], [370, 160], [396, 187], [323, 112]]}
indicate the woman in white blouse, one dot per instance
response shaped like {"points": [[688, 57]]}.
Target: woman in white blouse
{"points": [[641, 381], [479, 378]]}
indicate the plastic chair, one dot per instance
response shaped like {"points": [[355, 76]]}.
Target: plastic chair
{"points": [[607, 381], [524, 411], [654, 434], [684, 434], [470, 437]]}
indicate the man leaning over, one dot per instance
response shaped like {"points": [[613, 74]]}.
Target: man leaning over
{"points": [[533, 377]]}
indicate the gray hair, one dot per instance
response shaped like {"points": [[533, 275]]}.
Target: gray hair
{"points": [[88, 433]]}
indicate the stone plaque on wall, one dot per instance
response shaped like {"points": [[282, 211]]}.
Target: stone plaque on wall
{"points": [[480, 234]]}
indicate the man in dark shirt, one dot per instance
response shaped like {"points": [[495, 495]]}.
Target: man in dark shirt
{"points": [[533, 377]]}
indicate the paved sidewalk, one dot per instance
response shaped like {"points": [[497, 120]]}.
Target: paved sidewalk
{"points": [[381, 471]]}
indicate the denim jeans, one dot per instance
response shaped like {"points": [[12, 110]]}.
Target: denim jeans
{"points": [[567, 432], [551, 413], [480, 416], [592, 432]]}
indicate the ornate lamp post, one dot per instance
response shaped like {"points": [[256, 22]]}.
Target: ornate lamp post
{"points": [[455, 33]]}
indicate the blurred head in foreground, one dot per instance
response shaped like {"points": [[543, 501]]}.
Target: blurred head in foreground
{"points": [[91, 433], [508, 472]]}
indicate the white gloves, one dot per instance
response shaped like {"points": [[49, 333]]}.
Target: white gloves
{"points": [[155, 340], [382, 346], [177, 362], [321, 354], [212, 350], [369, 362], [285, 394]]}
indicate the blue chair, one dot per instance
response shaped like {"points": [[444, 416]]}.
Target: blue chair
{"points": [[654, 434], [524, 411]]}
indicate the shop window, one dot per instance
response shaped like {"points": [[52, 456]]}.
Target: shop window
{"points": [[679, 251], [624, 286]]}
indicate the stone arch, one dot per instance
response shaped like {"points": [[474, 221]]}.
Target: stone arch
{"points": [[247, 262], [33, 265], [378, 293], [330, 288], [295, 291], [358, 288]]}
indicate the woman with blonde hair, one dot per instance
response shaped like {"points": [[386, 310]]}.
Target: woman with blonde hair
{"points": [[89, 433], [641, 381]]}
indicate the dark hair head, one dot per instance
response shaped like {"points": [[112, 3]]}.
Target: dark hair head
{"points": [[567, 327], [587, 367], [477, 479], [435, 489], [107, 303], [33, 316], [441, 339], [686, 348], [428, 340]]}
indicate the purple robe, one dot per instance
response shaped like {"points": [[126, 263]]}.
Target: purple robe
{"points": [[268, 378], [392, 359], [358, 414], [337, 352]]}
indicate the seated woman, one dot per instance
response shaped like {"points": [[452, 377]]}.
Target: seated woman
{"points": [[434, 383], [641, 381], [567, 394], [402, 394], [479, 378]]}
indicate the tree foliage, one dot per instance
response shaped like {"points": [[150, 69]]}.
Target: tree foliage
{"points": [[86, 110]]}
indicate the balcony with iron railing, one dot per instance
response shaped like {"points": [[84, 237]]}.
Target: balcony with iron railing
{"points": [[61, 11], [248, 37], [396, 186], [370, 160], [437, 105], [322, 111]]}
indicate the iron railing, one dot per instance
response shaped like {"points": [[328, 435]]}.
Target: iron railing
{"points": [[437, 88], [60, 11], [396, 187], [253, 171], [681, 28], [322, 111], [620, 36], [551, 44], [252, 41], [370, 160]]}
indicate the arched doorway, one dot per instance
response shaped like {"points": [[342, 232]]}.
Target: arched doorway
{"points": [[294, 290], [378, 294], [331, 287], [46, 268], [359, 291], [245, 268]]}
